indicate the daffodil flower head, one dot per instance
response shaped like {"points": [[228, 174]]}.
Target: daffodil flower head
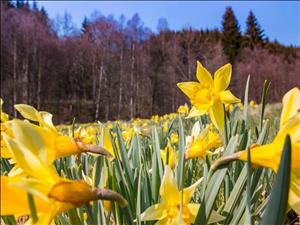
{"points": [[42, 181], [169, 156], [168, 210], [201, 145], [252, 103], [174, 138], [209, 94], [183, 109], [3, 129]]}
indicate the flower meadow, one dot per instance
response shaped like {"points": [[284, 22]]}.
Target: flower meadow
{"points": [[208, 164]]}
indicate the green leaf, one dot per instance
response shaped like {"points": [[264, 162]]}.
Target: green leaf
{"points": [[263, 102], [245, 112], [180, 168], [276, 208], [32, 208]]}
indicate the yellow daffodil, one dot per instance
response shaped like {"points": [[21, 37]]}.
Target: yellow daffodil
{"points": [[53, 193], [269, 155], [241, 106], [4, 116], [200, 146], [127, 135], [229, 107], [169, 151], [252, 103], [168, 211], [183, 109], [55, 144], [3, 129], [105, 141], [210, 94], [174, 138], [165, 127]]}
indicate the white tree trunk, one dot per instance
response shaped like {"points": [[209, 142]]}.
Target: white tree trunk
{"points": [[132, 81], [99, 92], [120, 84], [15, 77]]}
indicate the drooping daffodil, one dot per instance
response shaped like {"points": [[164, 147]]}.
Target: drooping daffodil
{"points": [[52, 194], [55, 144], [208, 95], [269, 155]]}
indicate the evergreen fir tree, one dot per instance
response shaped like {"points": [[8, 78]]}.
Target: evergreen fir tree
{"points": [[20, 3], [85, 25], [231, 39], [43, 16], [254, 32], [34, 5]]}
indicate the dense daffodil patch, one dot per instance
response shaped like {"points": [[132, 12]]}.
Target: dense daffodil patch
{"points": [[188, 167]]}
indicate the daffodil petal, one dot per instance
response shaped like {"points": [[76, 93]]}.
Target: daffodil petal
{"points": [[168, 188], [162, 222], [30, 162], [193, 208], [291, 105], [216, 114], [28, 112], [194, 112], [14, 200], [294, 193], [203, 75], [189, 191], [291, 127], [222, 77], [264, 156], [228, 98], [189, 88], [47, 120], [154, 212]]}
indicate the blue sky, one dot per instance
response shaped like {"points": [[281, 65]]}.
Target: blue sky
{"points": [[280, 20]]}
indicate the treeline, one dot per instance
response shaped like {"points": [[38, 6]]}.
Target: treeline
{"points": [[119, 69]]}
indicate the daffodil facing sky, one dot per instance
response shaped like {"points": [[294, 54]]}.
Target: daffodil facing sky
{"points": [[209, 94]]}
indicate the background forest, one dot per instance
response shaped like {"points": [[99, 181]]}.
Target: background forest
{"points": [[120, 69]]}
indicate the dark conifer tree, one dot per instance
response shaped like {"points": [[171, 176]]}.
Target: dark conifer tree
{"points": [[231, 39], [254, 33], [20, 3], [85, 25], [8, 4], [34, 5]]}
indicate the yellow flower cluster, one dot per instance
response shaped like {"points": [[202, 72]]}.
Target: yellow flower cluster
{"points": [[33, 148]]}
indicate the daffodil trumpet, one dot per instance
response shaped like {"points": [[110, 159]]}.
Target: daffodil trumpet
{"points": [[65, 193], [54, 144]]}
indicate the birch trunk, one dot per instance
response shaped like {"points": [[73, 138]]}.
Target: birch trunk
{"points": [[15, 77], [121, 84], [99, 92], [132, 81], [38, 94]]}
